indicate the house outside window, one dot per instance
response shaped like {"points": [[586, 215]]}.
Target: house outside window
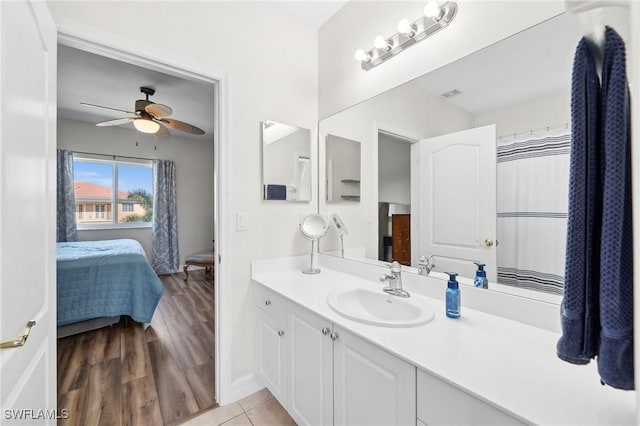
{"points": [[112, 194]]}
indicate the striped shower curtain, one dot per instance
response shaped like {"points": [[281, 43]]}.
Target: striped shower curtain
{"points": [[532, 199]]}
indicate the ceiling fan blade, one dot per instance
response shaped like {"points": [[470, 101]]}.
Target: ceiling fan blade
{"points": [[104, 107], [115, 122], [158, 110], [182, 126]]}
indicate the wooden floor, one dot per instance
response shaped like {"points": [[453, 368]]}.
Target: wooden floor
{"points": [[131, 376]]}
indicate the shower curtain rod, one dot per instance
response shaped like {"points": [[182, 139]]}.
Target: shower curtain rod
{"points": [[114, 156], [532, 131]]}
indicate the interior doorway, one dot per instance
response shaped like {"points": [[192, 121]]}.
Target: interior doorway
{"points": [[101, 345], [395, 170]]}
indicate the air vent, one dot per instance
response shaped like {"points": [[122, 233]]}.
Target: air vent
{"points": [[451, 93]]}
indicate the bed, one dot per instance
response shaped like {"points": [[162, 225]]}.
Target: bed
{"points": [[105, 279]]}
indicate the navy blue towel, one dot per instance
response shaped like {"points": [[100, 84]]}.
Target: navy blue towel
{"points": [[580, 317], [275, 192], [615, 356], [597, 307]]}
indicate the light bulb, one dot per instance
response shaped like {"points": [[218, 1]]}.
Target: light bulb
{"points": [[145, 125], [432, 9], [361, 56], [405, 27], [381, 43]]}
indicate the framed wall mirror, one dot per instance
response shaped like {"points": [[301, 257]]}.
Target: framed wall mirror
{"points": [[286, 162], [467, 163]]}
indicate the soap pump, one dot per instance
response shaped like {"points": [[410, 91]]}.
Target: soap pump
{"points": [[452, 296], [481, 280]]}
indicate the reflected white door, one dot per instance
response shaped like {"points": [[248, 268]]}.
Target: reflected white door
{"points": [[27, 215], [458, 200]]}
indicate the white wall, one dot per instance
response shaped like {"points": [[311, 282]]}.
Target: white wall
{"points": [[271, 61], [194, 178], [394, 170], [477, 24], [554, 110]]}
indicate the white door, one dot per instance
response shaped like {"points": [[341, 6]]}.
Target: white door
{"points": [[458, 200], [310, 367], [27, 214], [371, 386]]}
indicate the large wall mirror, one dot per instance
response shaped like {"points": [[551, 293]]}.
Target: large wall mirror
{"points": [[286, 162], [468, 163]]}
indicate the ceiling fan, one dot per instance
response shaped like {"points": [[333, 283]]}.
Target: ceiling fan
{"points": [[149, 117]]}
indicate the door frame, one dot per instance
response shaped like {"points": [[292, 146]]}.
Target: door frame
{"points": [[413, 139], [80, 36]]}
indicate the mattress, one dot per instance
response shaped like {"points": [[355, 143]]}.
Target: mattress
{"points": [[105, 278]]}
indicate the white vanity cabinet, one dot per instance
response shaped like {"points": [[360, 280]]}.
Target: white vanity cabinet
{"points": [[440, 403], [310, 367], [270, 352], [326, 375], [371, 386]]}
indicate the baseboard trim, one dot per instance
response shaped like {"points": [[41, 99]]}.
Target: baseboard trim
{"points": [[242, 387]]}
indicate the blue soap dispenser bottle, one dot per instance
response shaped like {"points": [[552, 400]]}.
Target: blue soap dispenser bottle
{"points": [[481, 280], [452, 296]]}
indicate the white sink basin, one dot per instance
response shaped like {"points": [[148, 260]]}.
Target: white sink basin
{"points": [[380, 308]]}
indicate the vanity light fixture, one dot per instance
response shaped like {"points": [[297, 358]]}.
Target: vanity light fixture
{"points": [[406, 28], [382, 43], [436, 17], [362, 56]]}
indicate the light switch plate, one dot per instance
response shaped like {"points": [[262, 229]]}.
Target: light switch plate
{"points": [[242, 221]]}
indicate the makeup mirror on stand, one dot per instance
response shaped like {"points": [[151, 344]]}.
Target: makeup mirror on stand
{"points": [[313, 227]]}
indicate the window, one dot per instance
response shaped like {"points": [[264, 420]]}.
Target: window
{"points": [[112, 193], [101, 211]]}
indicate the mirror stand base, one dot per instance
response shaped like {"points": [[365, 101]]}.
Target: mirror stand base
{"points": [[311, 271]]}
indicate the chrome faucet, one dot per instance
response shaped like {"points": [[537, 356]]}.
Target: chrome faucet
{"points": [[426, 265], [393, 278]]}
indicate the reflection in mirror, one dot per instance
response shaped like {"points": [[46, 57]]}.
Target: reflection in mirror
{"points": [[343, 169], [286, 162], [511, 204]]}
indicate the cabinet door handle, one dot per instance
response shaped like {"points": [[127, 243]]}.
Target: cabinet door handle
{"points": [[326, 331], [334, 336], [281, 333], [267, 302]]}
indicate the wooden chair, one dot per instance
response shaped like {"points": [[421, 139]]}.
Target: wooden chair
{"points": [[203, 259]]}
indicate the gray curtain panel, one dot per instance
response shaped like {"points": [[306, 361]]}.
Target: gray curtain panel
{"points": [[66, 203], [165, 257]]}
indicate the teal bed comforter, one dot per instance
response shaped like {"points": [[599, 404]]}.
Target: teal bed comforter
{"points": [[105, 278]]}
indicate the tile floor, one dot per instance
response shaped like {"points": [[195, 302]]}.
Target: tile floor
{"points": [[258, 409]]}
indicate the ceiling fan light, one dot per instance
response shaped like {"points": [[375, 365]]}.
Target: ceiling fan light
{"points": [[145, 125]]}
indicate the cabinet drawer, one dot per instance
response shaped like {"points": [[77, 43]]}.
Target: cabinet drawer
{"points": [[440, 403], [269, 301]]}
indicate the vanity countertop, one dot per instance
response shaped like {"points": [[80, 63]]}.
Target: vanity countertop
{"points": [[508, 364]]}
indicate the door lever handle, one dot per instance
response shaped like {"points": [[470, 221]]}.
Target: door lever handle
{"points": [[18, 341]]}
